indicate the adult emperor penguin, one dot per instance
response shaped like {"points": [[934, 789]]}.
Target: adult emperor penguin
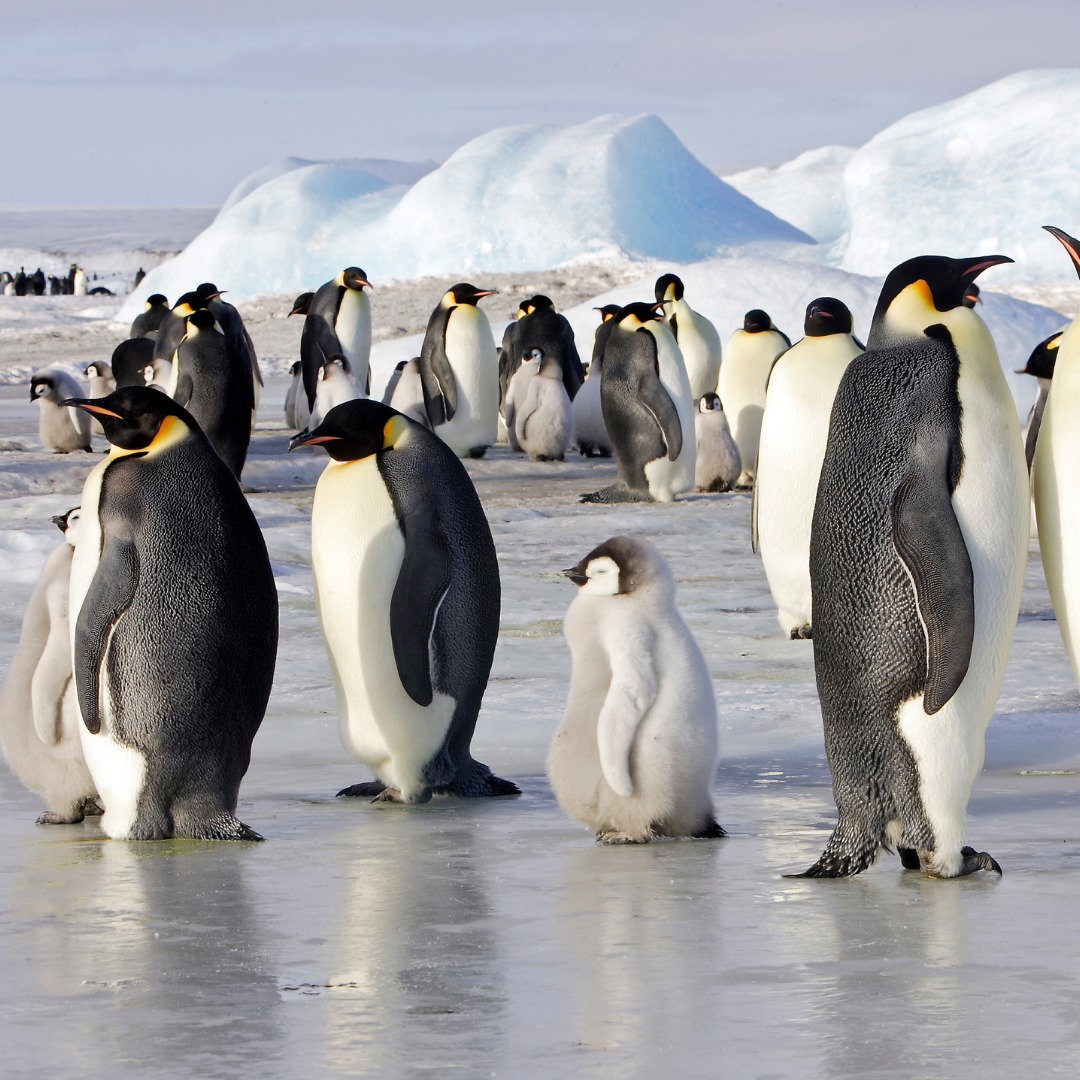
{"points": [[459, 369], [1057, 490], [717, 464], [1040, 364], [338, 323], [174, 326], [794, 430], [648, 411], [540, 326], [698, 340], [748, 359], [60, 429], [544, 423], [407, 591], [232, 326], [39, 715], [152, 315], [129, 358], [174, 616], [917, 555], [635, 754], [78, 284], [590, 432], [212, 381]]}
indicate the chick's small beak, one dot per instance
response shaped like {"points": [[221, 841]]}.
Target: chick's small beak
{"points": [[575, 575]]}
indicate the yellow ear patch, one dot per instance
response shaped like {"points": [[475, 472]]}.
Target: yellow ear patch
{"points": [[393, 430], [172, 430], [1054, 342]]}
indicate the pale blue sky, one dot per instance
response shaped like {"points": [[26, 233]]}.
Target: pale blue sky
{"points": [[114, 103]]}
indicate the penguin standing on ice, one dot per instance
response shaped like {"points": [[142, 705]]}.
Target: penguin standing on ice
{"points": [[459, 369], [232, 326], [648, 412], [544, 424], [408, 395], [174, 614], [407, 591], [540, 326], [717, 464], [39, 716], [101, 383], [338, 323], [515, 394], [744, 373], [917, 555], [336, 385], [1040, 364], [60, 429], [590, 432], [698, 340], [297, 414], [635, 754], [129, 360], [174, 326], [794, 431], [151, 317], [78, 282]]}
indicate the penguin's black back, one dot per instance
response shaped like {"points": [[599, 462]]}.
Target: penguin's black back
{"points": [[150, 320], [545, 329]]}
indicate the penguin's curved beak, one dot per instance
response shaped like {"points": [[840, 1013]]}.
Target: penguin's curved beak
{"points": [[306, 438], [484, 292], [1069, 243], [575, 574], [86, 406], [977, 265]]}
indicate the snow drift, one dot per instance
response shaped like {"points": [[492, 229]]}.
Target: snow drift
{"points": [[517, 198]]}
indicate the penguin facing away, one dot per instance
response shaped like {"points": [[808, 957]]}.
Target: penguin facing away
{"points": [[544, 425], [698, 340], [407, 592], [590, 432], [39, 715], [717, 464], [338, 323], [917, 554], [232, 326], [336, 384], [174, 621], [129, 358], [791, 446], [408, 396], [744, 373], [1057, 492], [635, 754], [1040, 364], [60, 429], [460, 372], [648, 413], [516, 392]]}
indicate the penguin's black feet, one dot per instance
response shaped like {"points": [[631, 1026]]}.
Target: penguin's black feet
{"points": [[709, 830], [615, 837], [92, 806], [51, 818], [909, 858], [225, 827], [392, 795], [477, 451], [978, 860], [799, 633], [617, 493], [363, 791]]}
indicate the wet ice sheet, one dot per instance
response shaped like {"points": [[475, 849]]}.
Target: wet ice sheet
{"points": [[493, 937]]}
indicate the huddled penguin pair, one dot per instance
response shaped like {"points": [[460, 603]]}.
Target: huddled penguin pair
{"points": [[60, 428], [337, 324], [539, 415], [539, 326]]}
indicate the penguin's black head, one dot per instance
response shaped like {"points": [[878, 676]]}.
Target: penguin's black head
{"points": [[295, 369], [527, 307], [668, 283], [156, 300], [356, 429], [756, 321], [1042, 360], [608, 311], [617, 567], [826, 315], [189, 302], [133, 416], [464, 293], [971, 295], [63, 521], [709, 403], [42, 385], [208, 291], [634, 316], [202, 319], [353, 277], [1069, 243], [301, 304], [915, 290]]}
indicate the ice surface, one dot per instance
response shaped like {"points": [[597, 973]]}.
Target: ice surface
{"points": [[513, 199]]}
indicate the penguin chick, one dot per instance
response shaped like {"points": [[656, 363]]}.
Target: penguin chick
{"points": [[717, 465], [407, 592], [60, 429], [158, 374], [590, 431], [544, 424], [296, 406], [391, 386], [539, 326], [408, 396], [39, 714], [130, 357], [336, 385], [698, 340], [101, 383], [635, 754], [153, 314], [516, 392], [1040, 364]]}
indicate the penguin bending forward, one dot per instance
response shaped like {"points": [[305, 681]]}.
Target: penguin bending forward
{"points": [[648, 412], [635, 754], [175, 619], [917, 554], [407, 591]]}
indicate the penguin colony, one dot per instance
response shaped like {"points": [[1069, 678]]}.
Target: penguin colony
{"points": [[890, 502]]}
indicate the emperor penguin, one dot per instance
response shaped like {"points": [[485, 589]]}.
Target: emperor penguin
{"points": [[971, 297], [297, 413], [1040, 364], [407, 593], [408, 395], [540, 326], [101, 383], [336, 385], [748, 360], [648, 412], [174, 621], [212, 381], [60, 429], [39, 715], [698, 340], [794, 431], [78, 284], [232, 326], [717, 464], [544, 424], [590, 432], [338, 323], [515, 394], [459, 369], [130, 357], [635, 755], [1057, 490], [917, 553], [174, 326], [395, 378], [301, 304]]}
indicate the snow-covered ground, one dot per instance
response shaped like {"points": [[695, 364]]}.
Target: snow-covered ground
{"points": [[493, 937]]}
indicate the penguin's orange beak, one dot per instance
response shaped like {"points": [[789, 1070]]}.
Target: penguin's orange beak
{"points": [[99, 409], [1069, 243], [304, 439]]}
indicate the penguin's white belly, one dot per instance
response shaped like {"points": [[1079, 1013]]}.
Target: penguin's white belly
{"points": [[353, 329], [700, 347], [741, 387], [545, 425], [470, 351], [991, 505], [356, 552], [589, 426], [669, 478]]}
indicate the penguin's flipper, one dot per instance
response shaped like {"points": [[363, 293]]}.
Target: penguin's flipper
{"points": [[630, 696], [109, 596], [422, 583], [928, 539], [658, 401], [437, 378], [184, 389]]}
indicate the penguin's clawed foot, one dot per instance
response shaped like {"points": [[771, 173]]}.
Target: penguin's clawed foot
{"points": [[616, 493], [392, 795], [970, 862], [909, 858], [93, 807], [51, 818], [799, 633], [477, 451], [363, 791], [710, 830], [224, 827], [614, 837]]}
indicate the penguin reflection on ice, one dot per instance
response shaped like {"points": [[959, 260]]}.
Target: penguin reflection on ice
{"points": [[407, 593], [917, 553], [635, 754]]}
